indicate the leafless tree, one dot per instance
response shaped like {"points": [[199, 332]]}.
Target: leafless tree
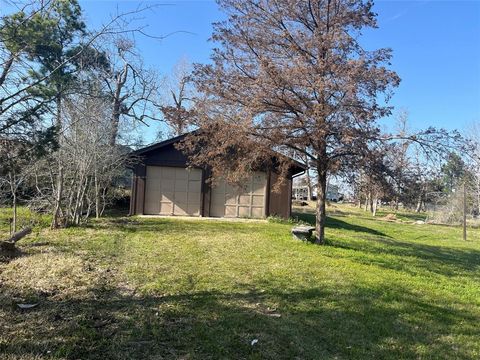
{"points": [[399, 156], [473, 134], [89, 162], [14, 172], [177, 108], [48, 55], [370, 178], [133, 89]]}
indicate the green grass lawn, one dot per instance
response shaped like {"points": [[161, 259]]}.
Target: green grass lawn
{"points": [[143, 288]]}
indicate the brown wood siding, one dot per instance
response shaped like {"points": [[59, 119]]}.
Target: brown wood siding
{"points": [[133, 188], [290, 192], [166, 156], [267, 193], [207, 194], [140, 189], [280, 204]]}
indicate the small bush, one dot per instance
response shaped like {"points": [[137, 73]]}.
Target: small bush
{"points": [[279, 220]]}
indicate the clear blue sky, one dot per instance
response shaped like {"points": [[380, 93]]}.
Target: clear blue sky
{"points": [[436, 46]]}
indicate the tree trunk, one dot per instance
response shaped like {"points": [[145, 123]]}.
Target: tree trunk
{"points": [[79, 196], [104, 200], [13, 190], [10, 243], [478, 195], [371, 202], [115, 123], [6, 68], [464, 222], [375, 205], [419, 204], [58, 199], [120, 81], [97, 195], [421, 199], [14, 218], [321, 202], [58, 115], [309, 185]]}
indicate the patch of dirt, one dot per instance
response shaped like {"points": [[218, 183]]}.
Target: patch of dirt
{"points": [[390, 217]]}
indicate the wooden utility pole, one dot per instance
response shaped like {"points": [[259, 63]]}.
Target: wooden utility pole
{"points": [[464, 212]]}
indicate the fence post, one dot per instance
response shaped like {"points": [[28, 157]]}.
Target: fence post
{"points": [[464, 212]]}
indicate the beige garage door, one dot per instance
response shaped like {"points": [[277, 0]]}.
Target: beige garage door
{"points": [[249, 201], [173, 191]]}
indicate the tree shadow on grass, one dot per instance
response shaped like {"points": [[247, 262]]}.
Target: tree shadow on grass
{"points": [[334, 223], [412, 257], [180, 226], [353, 322], [9, 255]]}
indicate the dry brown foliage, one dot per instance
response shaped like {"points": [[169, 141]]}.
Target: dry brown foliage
{"points": [[292, 76]]}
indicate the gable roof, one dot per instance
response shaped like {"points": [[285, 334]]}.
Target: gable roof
{"points": [[161, 144], [297, 167]]}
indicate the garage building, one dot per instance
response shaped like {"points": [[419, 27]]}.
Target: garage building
{"points": [[164, 185]]}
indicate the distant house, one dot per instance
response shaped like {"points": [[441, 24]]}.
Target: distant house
{"points": [[164, 185], [300, 192]]}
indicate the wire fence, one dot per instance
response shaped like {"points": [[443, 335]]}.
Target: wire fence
{"points": [[452, 209]]}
